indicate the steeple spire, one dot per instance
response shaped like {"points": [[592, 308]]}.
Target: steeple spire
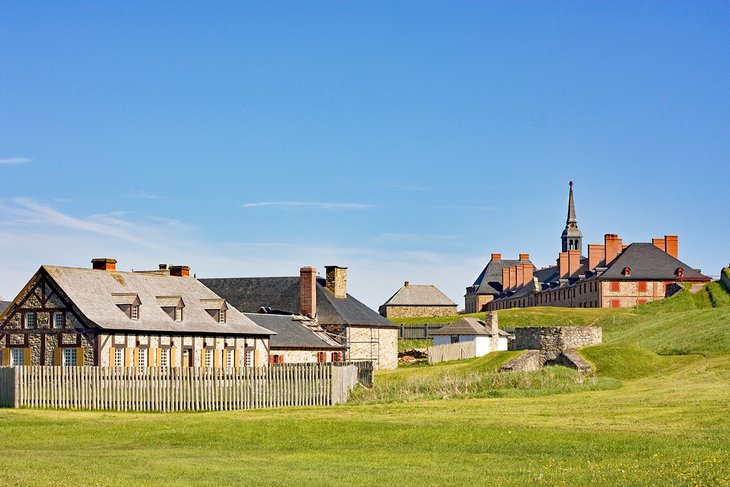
{"points": [[572, 237]]}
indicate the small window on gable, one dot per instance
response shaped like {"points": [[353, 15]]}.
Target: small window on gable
{"points": [[134, 312], [679, 272], [30, 320], [216, 308], [129, 303]]}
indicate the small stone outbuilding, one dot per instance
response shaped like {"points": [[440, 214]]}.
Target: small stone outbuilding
{"points": [[417, 301]]}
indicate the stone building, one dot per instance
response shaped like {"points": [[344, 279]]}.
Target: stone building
{"points": [[416, 301], [102, 316], [364, 333], [614, 275]]}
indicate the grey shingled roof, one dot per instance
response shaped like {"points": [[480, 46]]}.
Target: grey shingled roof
{"points": [[292, 333], [419, 295], [4, 305], [464, 326], [490, 279], [250, 294], [646, 261], [92, 292]]}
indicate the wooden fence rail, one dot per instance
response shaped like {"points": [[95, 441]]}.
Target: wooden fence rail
{"points": [[452, 351], [176, 389], [417, 332]]}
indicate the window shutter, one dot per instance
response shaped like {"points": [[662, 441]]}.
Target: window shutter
{"points": [[127, 361], [158, 358], [173, 353], [151, 356], [235, 359], [79, 356], [255, 358], [216, 358], [5, 354], [111, 356], [202, 358], [57, 356], [281, 358], [135, 354], [27, 356]]}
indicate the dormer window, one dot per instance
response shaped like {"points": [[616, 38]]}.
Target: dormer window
{"points": [[626, 271], [128, 303], [216, 308], [679, 272], [173, 306]]}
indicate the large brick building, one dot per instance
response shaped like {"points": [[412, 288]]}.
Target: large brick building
{"points": [[613, 275]]}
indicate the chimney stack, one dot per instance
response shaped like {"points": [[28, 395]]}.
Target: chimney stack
{"points": [[563, 265], [671, 244], [524, 257], [505, 279], [614, 246], [308, 291], [337, 280], [659, 243], [513, 277], [104, 264], [596, 255], [180, 271], [529, 273], [406, 284], [573, 261], [520, 275], [496, 256]]}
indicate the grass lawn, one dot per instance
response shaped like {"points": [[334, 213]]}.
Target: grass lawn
{"points": [[656, 415]]}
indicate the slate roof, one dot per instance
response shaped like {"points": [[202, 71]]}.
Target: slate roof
{"points": [[92, 291], [4, 305], [464, 326], [419, 295], [250, 294], [292, 333], [646, 261], [490, 279]]}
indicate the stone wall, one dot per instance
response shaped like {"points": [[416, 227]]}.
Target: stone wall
{"points": [[371, 343], [554, 340], [395, 312], [474, 303]]}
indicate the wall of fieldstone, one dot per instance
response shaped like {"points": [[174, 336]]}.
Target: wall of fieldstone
{"points": [[395, 312], [554, 340]]}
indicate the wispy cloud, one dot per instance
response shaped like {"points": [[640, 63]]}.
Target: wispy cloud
{"points": [[15, 160], [308, 204]]}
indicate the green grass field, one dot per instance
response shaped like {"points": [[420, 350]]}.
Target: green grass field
{"points": [[656, 413]]}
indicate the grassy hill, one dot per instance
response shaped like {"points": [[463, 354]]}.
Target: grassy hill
{"points": [[656, 413]]}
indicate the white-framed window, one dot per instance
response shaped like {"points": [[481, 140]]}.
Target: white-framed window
{"points": [[118, 357], [248, 357], [221, 316], [69, 357], [164, 357], [58, 319], [17, 356], [134, 312], [178, 314], [30, 320], [208, 357], [229, 358], [142, 358]]}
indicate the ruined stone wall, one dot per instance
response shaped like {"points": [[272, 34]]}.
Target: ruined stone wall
{"points": [[554, 340], [395, 312]]}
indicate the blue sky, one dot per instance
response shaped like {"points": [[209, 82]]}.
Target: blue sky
{"points": [[406, 140]]}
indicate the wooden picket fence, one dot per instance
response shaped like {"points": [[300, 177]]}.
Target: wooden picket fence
{"points": [[176, 389], [452, 351]]}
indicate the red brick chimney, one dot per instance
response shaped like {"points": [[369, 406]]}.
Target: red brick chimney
{"points": [[505, 279], [573, 262], [180, 271], [529, 273], [520, 275], [496, 256], [308, 291], [671, 243], [659, 243], [104, 264], [524, 257], [563, 265], [613, 245], [596, 255], [513, 277]]}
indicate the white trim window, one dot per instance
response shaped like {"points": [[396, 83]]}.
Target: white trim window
{"points": [[58, 319], [208, 358], [229, 358], [134, 312], [30, 320], [142, 358], [221, 316], [69, 357], [178, 314], [164, 357], [248, 357], [17, 356], [118, 357]]}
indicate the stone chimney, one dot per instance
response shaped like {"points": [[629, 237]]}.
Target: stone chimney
{"points": [[104, 264], [492, 325], [308, 291], [337, 280], [596, 255], [496, 256], [671, 245], [180, 271], [613, 245]]}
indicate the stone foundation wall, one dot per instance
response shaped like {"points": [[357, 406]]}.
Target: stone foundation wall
{"points": [[395, 312], [554, 340]]}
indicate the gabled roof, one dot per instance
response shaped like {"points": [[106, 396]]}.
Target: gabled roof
{"points": [[250, 294], [419, 295], [490, 279], [646, 261], [96, 294], [465, 326], [292, 333]]}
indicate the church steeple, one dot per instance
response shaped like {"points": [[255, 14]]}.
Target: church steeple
{"points": [[572, 237]]}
